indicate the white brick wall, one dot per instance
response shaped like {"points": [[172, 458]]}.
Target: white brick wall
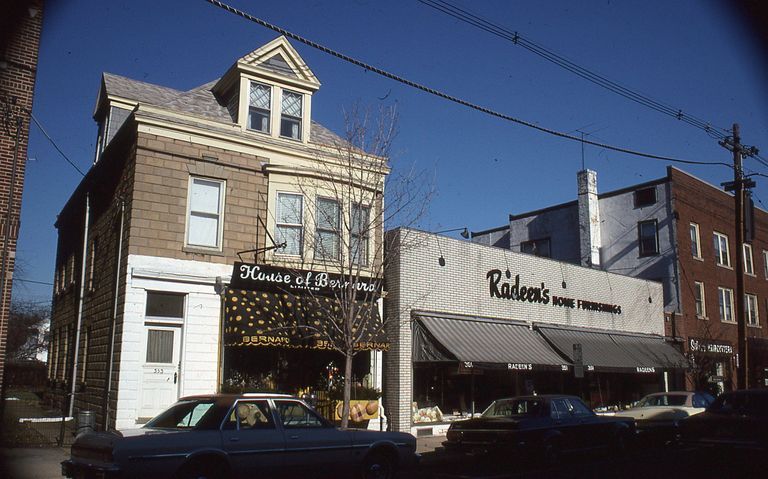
{"points": [[200, 330], [416, 281]]}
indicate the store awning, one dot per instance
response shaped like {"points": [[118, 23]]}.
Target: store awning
{"points": [[483, 343], [263, 318], [619, 352]]}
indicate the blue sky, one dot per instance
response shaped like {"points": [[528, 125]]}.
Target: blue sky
{"points": [[695, 55]]}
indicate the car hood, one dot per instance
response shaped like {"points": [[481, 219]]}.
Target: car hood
{"points": [[659, 413]]}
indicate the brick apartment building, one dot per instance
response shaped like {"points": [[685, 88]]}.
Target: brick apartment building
{"points": [[677, 230], [20, 27], [182, 182]]}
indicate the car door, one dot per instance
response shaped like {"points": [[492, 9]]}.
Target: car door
{"points": [[313, 446], [252, 440], [563, 422], [589, 430]]}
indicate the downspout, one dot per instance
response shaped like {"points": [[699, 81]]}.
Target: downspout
{"points": [[80, 305], [113, 325]]}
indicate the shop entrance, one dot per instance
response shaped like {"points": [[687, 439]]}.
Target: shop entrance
{"points": [[316, 375]]}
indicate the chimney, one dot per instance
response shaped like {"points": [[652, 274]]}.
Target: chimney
{"points": [[589, 219]]}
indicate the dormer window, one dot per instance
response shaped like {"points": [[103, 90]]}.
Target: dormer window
{"points": [[290, 119], [259, 103]]}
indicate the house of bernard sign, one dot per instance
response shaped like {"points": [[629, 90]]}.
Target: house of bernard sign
{"points": [[503, 286]]}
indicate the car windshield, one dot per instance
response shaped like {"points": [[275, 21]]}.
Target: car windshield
{"points": [[515, 407], [182, 415], [662, 400]]}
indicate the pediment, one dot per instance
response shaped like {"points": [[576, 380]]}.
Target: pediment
{"points": [[278, 57]]}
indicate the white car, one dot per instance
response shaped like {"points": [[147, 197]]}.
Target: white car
{"points": [[661, 412]]}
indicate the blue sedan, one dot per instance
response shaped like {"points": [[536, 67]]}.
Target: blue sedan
{"points": [[250, 435]]}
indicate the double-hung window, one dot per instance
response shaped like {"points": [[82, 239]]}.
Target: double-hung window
{"points": [[259, 107], [359, 234], [749, 265], [765, 263], [725, 300], [695, 248], [700, 299], [750, 309], [648, 237], [327, 237], [722, 255], [204, 215], [290, 118], [290, 223]]}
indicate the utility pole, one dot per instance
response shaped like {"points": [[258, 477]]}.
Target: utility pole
{"points": [[738, 185]]}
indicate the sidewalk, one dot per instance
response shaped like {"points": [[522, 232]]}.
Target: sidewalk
{"points": [[32, 463], [429, 443]]}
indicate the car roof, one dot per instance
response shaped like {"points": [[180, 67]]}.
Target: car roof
{"points": [[234, 397], [672, 393], [539, 396]]}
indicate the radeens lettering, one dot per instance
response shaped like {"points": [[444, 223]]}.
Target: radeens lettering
{"points": [[514, 291], [519, 366]]}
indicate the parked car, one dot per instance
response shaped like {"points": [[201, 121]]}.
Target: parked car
{"points": [[657, 415], [545, 425], [735, 420], [250, 435]]}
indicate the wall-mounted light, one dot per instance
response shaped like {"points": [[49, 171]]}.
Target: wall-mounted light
{"points": [[464, 234]]}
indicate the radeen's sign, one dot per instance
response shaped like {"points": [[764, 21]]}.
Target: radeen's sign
{"points": [[514, 291], [259, 277]]}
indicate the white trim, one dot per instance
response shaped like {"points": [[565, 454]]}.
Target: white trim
{"points": [[697, 254], [220, 218], [718, 255]]}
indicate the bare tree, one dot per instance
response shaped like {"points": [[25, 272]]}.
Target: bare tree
{"points": [[27, 330], [352, 194], [704, 357]]}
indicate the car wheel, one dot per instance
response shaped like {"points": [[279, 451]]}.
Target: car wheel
{"points": [[378, 466], [202, 469]]}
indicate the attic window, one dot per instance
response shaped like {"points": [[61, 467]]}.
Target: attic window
{"points": [[290, 120], [645, 197], [259, 102]]}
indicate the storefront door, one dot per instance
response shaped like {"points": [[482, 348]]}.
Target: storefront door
{"points": [[160, 371]]}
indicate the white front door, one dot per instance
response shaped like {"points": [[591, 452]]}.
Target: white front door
{"points": [[160, 371]]}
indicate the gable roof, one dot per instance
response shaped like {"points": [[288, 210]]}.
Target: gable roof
{"points": [[279, 56], [199, 102]]}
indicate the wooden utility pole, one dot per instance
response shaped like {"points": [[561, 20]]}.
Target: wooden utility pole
{"points": [[738, 185]]}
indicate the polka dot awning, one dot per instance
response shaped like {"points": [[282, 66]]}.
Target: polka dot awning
{"points": [[260, 318]]}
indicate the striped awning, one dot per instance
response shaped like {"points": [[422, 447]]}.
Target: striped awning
{"points": [[620, 352], [483, 343]]}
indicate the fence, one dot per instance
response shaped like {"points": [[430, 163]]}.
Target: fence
{"points": [[27, 415]]}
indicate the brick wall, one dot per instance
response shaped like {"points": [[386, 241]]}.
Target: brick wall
{"points": [[20, 29], [416, 281], [163, 170], [712, 209], [101, 263]]}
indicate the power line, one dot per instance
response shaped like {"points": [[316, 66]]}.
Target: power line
{"points": [[446, 96], [54, 144], [514, 37], [33, 281]]}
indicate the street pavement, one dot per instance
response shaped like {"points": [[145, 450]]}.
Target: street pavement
{"points": [[649, 463]]}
